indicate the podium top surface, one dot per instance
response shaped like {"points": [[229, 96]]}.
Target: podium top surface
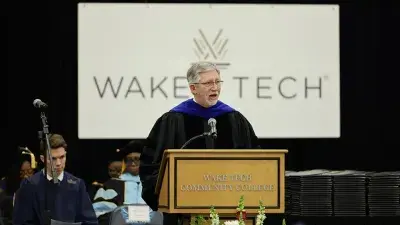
{"points": [[226, 150]]}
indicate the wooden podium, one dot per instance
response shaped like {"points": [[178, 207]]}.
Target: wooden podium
{"points": [[190, 181]]}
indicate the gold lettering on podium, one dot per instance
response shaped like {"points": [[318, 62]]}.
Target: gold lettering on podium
{"points": [[205, 182], [220, 182]]}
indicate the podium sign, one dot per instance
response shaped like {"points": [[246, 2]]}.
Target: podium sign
{"points": [[190, 181]]}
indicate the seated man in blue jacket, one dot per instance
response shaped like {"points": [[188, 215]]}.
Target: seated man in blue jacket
{"points": [[39, 200]]}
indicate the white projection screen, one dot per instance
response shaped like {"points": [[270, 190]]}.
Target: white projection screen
{"points": [[279, 64]]}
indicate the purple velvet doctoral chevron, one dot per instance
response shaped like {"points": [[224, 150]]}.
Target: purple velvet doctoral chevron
{"points": [[192, 108]]}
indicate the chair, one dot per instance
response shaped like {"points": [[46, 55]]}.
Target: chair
{"points": [[2, 195], [1, 218], [5, 209], [56, 222], [4, 220], [119, 216]]}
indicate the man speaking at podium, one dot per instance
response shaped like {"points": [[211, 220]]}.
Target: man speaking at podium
{"points": [[228, 128]]}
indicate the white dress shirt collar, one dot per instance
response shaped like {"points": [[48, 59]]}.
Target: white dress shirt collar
{"points": [[60, 177]]}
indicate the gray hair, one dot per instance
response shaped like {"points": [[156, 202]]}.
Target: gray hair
{"points": [[193, 74]]}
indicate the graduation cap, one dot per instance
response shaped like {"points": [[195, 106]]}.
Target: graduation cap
{"points": [[135, 146], [26, 152]]}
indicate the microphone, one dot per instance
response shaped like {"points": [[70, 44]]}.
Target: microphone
{"points": [[39, 104], [212, 123]]}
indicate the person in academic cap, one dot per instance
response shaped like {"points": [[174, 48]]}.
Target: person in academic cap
{"points": [[125, 190], [23, 168], [40, 200], [190, 118]]}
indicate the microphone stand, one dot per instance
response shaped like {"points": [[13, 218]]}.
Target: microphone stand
{"points": [[47, 156]]}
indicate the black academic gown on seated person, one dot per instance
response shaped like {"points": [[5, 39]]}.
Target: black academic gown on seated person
{"points": [[68, 201], [183, 122]]}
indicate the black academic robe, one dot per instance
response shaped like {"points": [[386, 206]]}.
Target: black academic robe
{"points": [[67, 201], [7, 189], [8, 186], [180, 124], [112, 184]]}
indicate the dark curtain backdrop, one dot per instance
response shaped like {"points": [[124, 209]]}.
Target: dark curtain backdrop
{"points": [[42, 63]]}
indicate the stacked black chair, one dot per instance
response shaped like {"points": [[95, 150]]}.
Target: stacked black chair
{"points": [[384, 194], [310, 193]]}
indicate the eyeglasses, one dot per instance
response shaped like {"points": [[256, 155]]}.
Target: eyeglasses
{"points": [[211, 83]]}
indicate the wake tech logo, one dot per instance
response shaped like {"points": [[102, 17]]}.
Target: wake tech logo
{"points": [[212, 49]]}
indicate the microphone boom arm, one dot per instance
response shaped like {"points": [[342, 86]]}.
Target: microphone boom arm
{"points": [[195, 138]]}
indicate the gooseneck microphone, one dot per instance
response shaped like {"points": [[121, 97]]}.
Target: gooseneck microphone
{"points": [[213, 132]]}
